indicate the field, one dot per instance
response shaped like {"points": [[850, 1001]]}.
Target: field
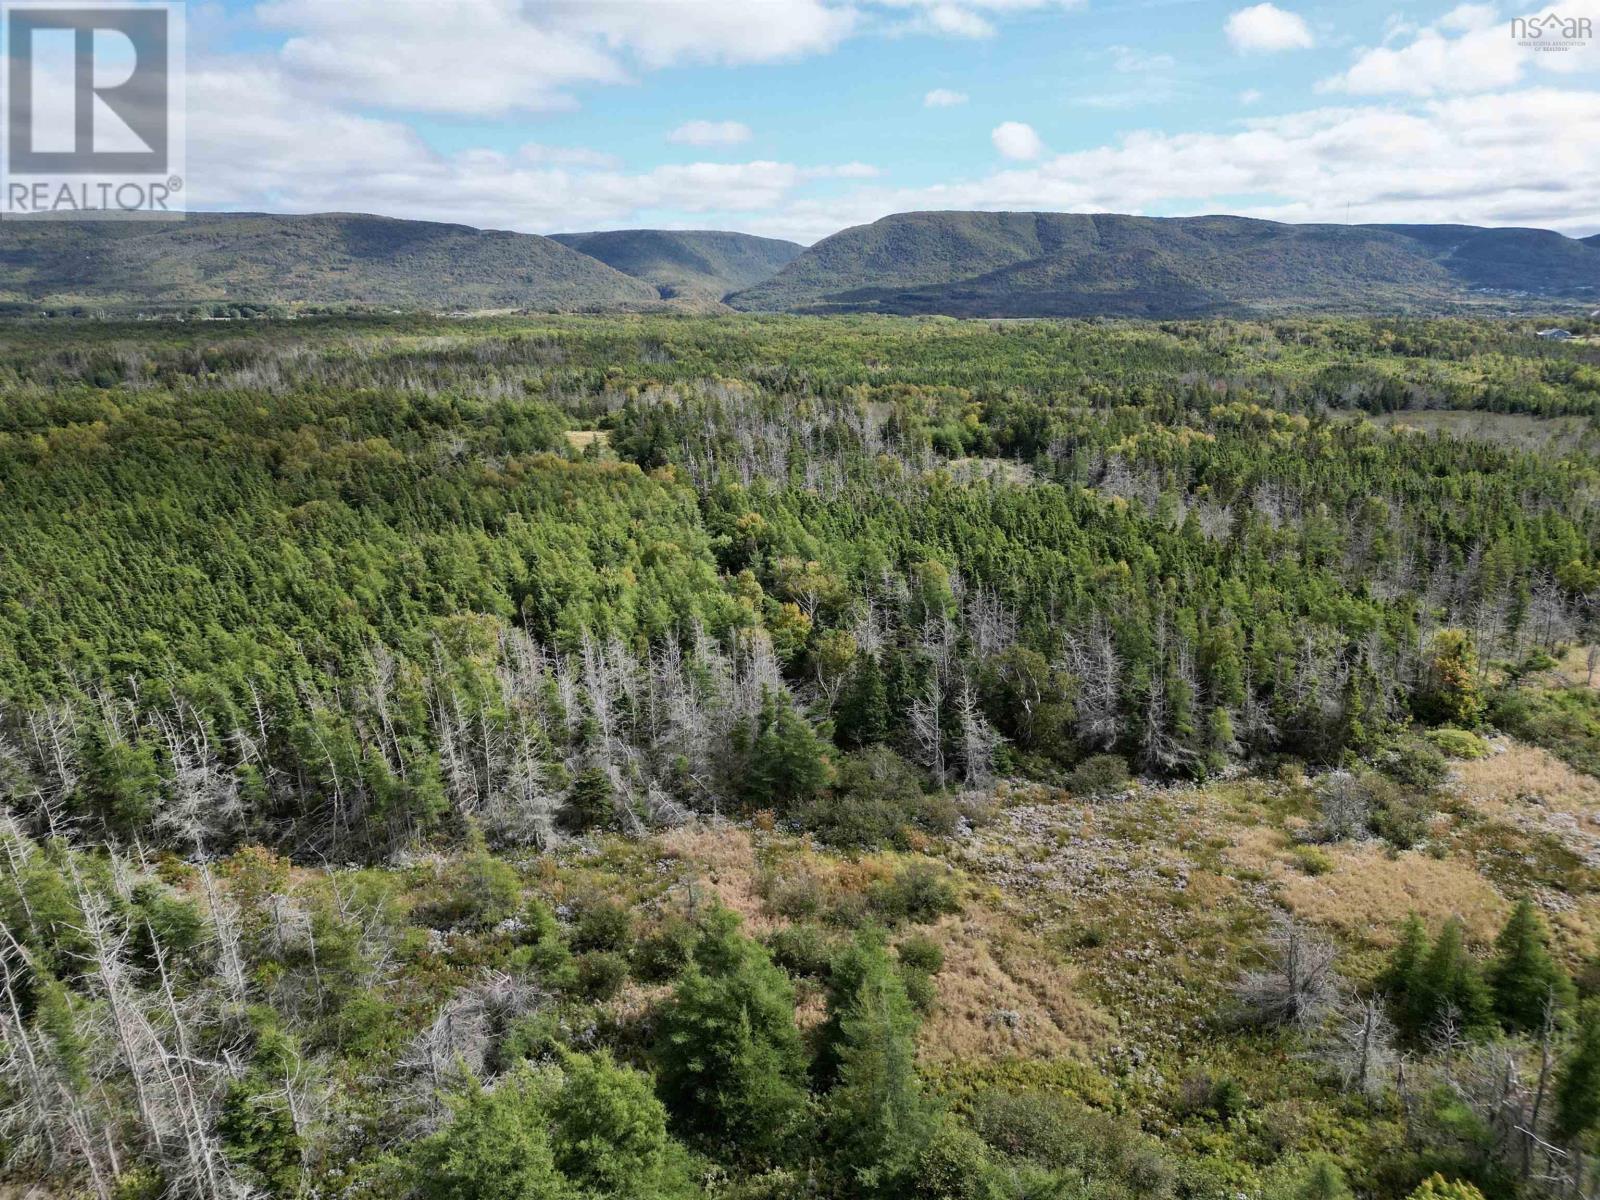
{"points": [[751, 757]]}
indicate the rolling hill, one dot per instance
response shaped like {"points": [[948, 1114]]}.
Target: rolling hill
{"points": [[687, 264], [995, 264], [325, 259], [970, 264]]}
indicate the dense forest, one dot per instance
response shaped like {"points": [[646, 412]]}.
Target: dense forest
{"points": [[589, 757]]}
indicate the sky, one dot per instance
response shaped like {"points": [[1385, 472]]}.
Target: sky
{"points": [[797, 118]]}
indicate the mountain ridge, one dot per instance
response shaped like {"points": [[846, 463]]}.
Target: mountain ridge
{"points": [[1017, 264], [693, 264], [321, 258], [955, 263]]}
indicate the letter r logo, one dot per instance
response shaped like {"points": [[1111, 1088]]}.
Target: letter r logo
{"points": [[87, 89]]}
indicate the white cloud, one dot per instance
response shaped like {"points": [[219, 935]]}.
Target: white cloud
{"points": [[964, 18], [1266, 28], [957, 21], [943, 98], [1469, 50], [1466, 17], [395, 53], [662, 33], [710, 133], [849, 170], [1462, 159], [569, 156], [284, 153], [1250, 96], [501, 56], [1016, 140], [1127, 60]]}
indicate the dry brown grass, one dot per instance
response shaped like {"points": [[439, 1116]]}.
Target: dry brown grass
{"points": [[1520, 770], [1369, 892], [723, 860], [582, 439], [1258, 848], [1002, 995]]}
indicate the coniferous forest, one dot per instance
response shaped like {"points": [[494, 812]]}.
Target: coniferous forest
{"points": [[762, 757]]}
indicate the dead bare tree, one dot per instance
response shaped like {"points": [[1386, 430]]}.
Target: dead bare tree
{"points": [[1298, 986]]}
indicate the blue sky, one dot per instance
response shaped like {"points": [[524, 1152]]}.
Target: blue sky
{"points": [[797, 117]]}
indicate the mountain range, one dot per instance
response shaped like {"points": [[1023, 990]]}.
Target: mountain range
{"points": [[967, 264], [996, 264], [687, 264], [334, 258]]}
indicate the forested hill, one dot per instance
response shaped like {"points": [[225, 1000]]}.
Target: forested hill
{"points": [[1059, 264], [972, 264], [690, 264], [337, 258]]}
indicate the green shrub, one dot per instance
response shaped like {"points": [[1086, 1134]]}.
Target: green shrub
{"points": [[956, 1165], [475, 891], [1416, 763], [921, 953], [665, 952], [543, 949], [601, 974], [1312, 861], [602, 925], [1105, 1152], [1458, 743], [541, 1036], [919, 892], [1099, 775], [609, 1132], [1228, 1099], [805, 951], [878, 801], [1401, 820], [496, 1147], [921, 991]]}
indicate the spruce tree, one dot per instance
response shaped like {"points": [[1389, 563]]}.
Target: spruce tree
{"points": [[1323, 1180], [1400, 980], [730, 1056], [863, 713], [789, 764], [878, 1118], [1450, 986], [1578, 1083], [1524, 977]]}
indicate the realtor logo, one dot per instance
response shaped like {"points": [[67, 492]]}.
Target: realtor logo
{"points": [[94, 108]]}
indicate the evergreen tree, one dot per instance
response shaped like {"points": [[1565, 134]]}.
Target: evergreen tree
{"points": [[1450, 985], [1323, 1180], [789, 764], [1437, 1187], [1524, 978], [610, 1131], [496, 1147], [730, 1055], [1578, 1082], [1400, 980], [863, 712], [878, 1118], [1450, 692]]}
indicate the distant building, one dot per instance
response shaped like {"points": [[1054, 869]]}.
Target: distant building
{"points": [[1555, 335]]}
